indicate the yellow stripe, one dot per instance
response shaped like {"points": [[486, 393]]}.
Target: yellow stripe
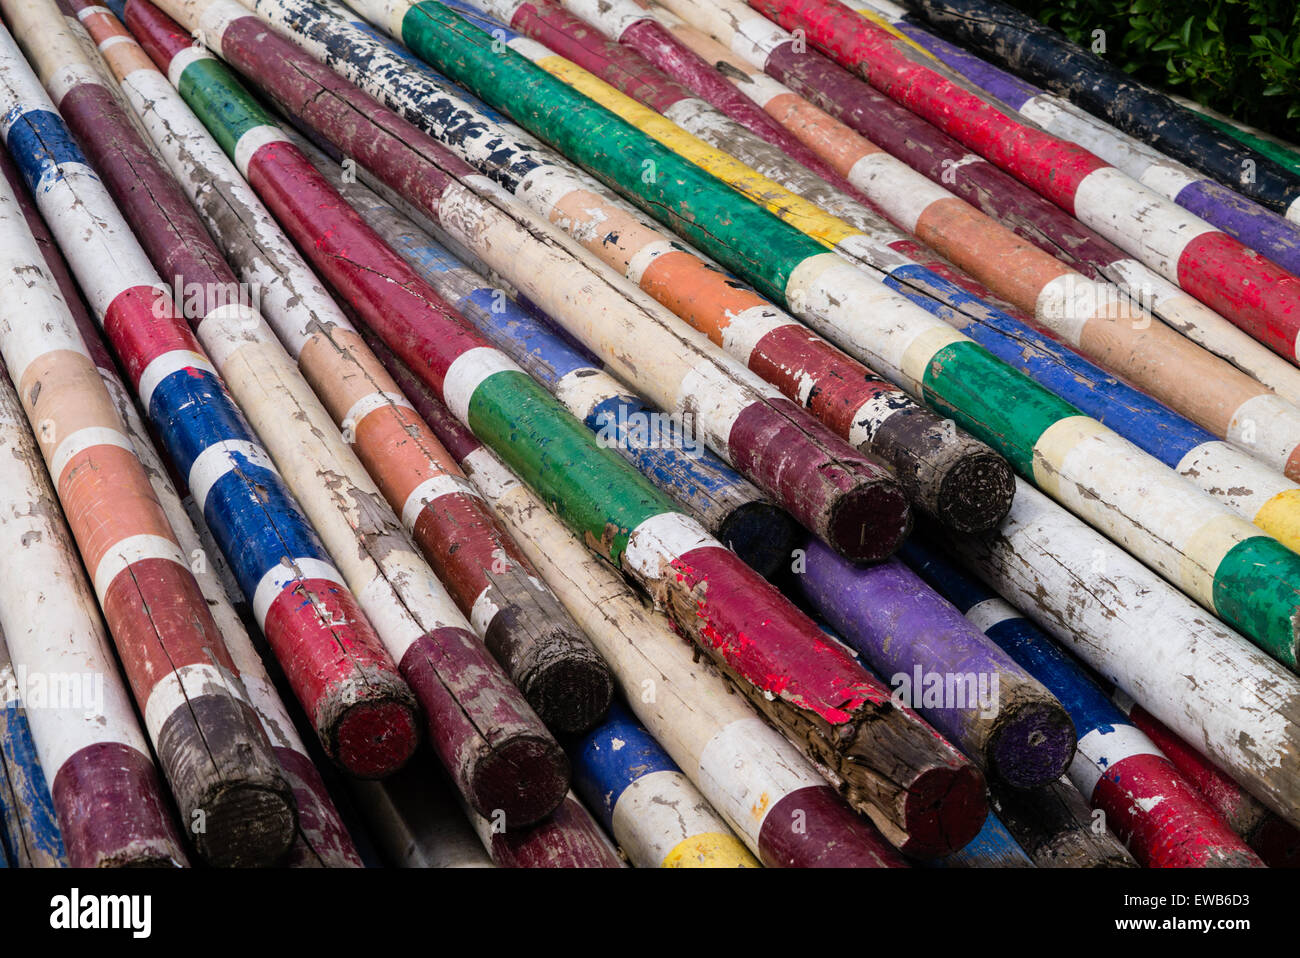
{"points": [[710, 850], [1280, 518], [773, 197]]}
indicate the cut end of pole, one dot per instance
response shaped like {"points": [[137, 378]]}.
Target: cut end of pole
{"points": [[523, 780], [762, 534], [374, 727], [867, 523], [944, 810], [1032, 745], [975, 492], [571, 693], [245, 825]]}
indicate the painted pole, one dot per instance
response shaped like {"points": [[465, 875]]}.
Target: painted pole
{"points": [[107, 794], [417, 821], [1074, 458], [360, 706], [1033, 281], [844, 496], [29, 827], [570, 838], [1276, 842], [215, 756], [993, 847], [725, 503], [1280, 151], [1158, 814], [322, 837], [1237, 283], [1254, 225], [754, 777], [1034, 50], [939, 664], [481, 727], [493, 588], [655, 814], [1245, 484], [1054, 826], [1192, 672], [818, 694], [944, 471]]}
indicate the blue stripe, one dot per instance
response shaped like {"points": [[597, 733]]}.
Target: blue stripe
{"points": [[611, 757], [253, 516], [993, 847], [1088, 706], [40, 142], [32, 813], [1137, 417], [485, 22]]}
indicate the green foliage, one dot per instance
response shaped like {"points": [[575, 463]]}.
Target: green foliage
{"points": [[1240, 57]]}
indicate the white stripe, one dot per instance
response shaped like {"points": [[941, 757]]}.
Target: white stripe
{"points": [[661, 539], [466, 374], [114, 40], [284, 574], [174, 689], [747, 327], [68, 76], [252, 141], [129, 551], [1101, 749], [1266, 427], [218, 460], [231, 327], [430, 489], [611, 17], [88, 12], [659, 811], [1233, 477], [984, 615], [491, 477], [642, 258], [1067, 304], [191, 54], [896, 188], [584, 389], [84, 439], [712, 393], [874, 413], [160, 367], [364, 406], [741, 789]]}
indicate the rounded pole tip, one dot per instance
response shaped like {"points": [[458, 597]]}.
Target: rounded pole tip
{"points": [[520, 782]]}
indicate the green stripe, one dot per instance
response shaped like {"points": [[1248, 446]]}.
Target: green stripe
{"points": [[1278, 154], [1255, 595], [992, 401], [221, 102], [747, 238], [592, 488]]}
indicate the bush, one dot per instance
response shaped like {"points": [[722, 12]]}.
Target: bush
{"points": [[1240, 57]]}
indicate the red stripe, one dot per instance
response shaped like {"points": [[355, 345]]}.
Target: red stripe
{"points": [[1241, 285], [142, 324]]}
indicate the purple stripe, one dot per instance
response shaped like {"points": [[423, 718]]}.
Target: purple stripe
{"points": [[1011, 90], [1244, 219]]}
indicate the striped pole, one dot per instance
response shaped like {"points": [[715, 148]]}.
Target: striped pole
{"points": [[521, 623], [322, 837], [846, 497], [944, 471], [1235, 282], [570, 838], [1192, 672], [108, 798], [1255, 226], [653, 811], [755, 778], [812, 689], [29, 827], [1246, 485], [417, 822], [1091, 469], [361, 708], [726, 504], [1276, 842], [1032, 49], [1280, 151], [1054, 826], [480, 725], [1039, 282], [216, 758], [940, 665], [993, 847], [1119, 770]]}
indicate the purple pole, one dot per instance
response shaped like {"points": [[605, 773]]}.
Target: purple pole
{"points": [[940, 664]]}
